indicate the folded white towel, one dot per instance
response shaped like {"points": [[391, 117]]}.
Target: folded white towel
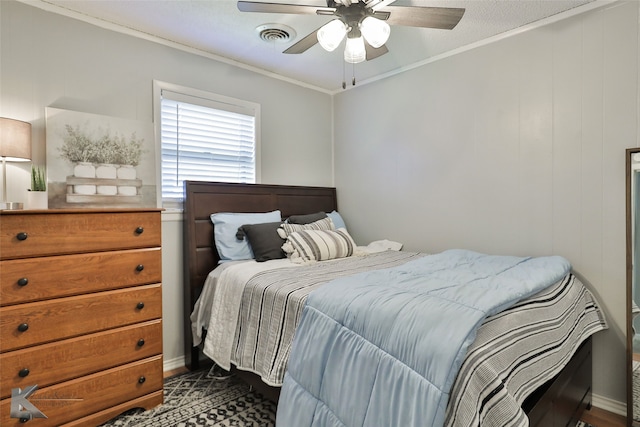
{"points": [[381, 246]]}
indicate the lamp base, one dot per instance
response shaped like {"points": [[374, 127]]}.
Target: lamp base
{"points": [[11, 206]]}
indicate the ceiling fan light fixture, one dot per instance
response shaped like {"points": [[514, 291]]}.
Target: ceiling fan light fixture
{"points": [[354, 51], [331, 34], [375, 31]]}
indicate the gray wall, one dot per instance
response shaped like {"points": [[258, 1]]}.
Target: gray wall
{"points": [[516, 147], [51, 60]]}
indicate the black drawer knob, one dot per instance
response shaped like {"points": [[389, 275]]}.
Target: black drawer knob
{"points": [[23, 372], [139, 230], [25, 419], [140, 305], [139, 267], [141, 380], [23, 327], [23, 281], [22, 236], [140, 342]]}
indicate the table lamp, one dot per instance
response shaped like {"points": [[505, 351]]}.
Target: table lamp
{"points": [[15, 146]]}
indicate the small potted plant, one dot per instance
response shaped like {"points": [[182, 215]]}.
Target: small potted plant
{"points": [[37, 196]]}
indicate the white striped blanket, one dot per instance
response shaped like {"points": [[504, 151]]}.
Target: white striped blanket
{"points": [[251, 309], [518, 350], [272, 305]]}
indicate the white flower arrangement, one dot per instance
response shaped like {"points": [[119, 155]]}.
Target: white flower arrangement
{"points": [[79, 147]]}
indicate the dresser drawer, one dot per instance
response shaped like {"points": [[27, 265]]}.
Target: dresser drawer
{"points": [[75, 357], [68, 401], [45, 321], [33, 279], [42, 234]]}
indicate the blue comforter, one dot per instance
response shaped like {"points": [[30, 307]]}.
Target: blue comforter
{"points": [[383, 348]]}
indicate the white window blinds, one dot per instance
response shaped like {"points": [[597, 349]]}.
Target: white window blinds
{"points": [[205, 140]]}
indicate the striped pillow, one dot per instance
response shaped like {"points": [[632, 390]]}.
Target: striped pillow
{"points": [[322, 224], [319, 245]]}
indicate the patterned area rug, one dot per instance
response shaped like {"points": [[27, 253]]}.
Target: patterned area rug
{"points": [[202, 398]]}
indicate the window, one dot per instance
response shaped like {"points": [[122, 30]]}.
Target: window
{"points": [[204, 137]]}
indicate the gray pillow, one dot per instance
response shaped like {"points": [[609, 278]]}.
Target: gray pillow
{"points": [[306, 219], [264, 240]]}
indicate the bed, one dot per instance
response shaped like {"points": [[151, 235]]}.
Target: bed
{"points": [[557, 402]]}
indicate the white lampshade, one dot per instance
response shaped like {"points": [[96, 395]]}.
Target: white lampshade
{"points": [[331, 34], [15, 140], [375, 31], [15, 146], [354, 51]]}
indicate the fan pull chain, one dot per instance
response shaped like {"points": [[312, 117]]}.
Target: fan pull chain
{"points": [[353, 76], [344, 83], [353, 73]]}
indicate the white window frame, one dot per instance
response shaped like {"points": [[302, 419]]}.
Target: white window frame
{"points": [[200, 97]]}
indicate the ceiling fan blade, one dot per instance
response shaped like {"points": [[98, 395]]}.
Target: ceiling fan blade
{"points": [[253, 6], [303, 44], [373, 53], [378, 4], [444, 18]]}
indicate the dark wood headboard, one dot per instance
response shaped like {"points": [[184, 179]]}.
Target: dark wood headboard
{"points": [[204, 198]]}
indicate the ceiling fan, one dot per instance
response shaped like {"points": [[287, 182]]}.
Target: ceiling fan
{"points": [[365, 23]]}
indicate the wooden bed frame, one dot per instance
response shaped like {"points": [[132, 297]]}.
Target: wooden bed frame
{"points": [[558, 403], [204, 198]]}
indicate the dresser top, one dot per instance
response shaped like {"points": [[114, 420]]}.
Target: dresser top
{"points": [[77, 210]]}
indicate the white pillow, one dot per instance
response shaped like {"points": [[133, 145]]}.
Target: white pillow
{"points": [[319, 245], [225, 228]]}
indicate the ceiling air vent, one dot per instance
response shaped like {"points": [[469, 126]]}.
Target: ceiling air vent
{"points": [[277, 33]]}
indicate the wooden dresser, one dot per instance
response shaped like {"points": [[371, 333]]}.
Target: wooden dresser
{"points": [[80, 313]]}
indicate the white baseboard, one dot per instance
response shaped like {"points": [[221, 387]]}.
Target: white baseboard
{"points": [[175, 363], [610, 405]]}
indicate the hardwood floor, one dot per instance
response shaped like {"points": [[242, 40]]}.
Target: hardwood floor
{"points": [[601, 418], [173, 372]]}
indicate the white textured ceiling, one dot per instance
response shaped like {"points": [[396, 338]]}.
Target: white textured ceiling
{"points": [[217, 27]]}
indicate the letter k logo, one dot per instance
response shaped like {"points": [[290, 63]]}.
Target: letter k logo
{"points": [[21, 407]]}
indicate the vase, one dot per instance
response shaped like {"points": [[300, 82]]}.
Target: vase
{"points": [[106, 170], [84, 189], [127, 190], [37, 199], [84, 170], [126, 172], [107, 190]]}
